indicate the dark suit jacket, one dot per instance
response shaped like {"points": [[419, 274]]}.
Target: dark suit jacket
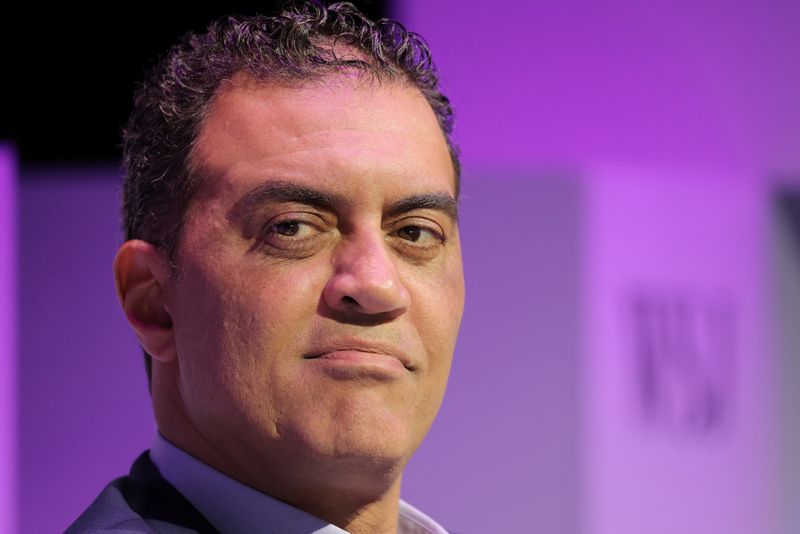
{"points": [[141, 502]]}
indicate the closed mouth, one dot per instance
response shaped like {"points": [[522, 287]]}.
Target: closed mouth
{"points": [[368, 348]]}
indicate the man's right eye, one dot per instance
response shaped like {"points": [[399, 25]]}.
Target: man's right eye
{"points": [[293, 228], [296, 235], [287, 228]]}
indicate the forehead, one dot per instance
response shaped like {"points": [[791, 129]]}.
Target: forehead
{"points": [[323, 132]]}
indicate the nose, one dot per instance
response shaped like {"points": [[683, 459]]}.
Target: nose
{"points": [[365, 279]]}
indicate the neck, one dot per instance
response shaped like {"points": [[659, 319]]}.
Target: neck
{"points": [[357, 516]]}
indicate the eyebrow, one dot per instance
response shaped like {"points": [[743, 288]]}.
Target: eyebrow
{"points": [[283, 191], [443, 202]]}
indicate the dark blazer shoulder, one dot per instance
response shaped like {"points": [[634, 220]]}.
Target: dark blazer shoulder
{"points": [[143, 501]]}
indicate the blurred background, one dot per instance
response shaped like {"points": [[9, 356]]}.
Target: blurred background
{"points": [[629, 357]]}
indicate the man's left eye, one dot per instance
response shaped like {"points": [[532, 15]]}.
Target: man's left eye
{"points": [[418, 234]]}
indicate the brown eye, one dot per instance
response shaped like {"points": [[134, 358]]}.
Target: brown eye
{"points": [[287, 228], [292, 236], [419, 235], [292, 228], [411, 233]]}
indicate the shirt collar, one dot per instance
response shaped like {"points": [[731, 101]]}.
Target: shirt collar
{"points": [[233, 507]]}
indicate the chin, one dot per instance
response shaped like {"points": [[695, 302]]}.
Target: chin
{"points": [[372, 442]]}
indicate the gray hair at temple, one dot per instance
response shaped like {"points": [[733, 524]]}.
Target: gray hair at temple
{"points": [[300, 44]]}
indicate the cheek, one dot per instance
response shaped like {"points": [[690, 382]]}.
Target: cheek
{"points": [[239, 327], [248, 295], [437, 305]]}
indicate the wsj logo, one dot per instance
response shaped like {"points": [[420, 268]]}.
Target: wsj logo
{"points": [[684, 360]]}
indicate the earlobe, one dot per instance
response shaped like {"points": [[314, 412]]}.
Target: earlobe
{"points": [[141, 275]]}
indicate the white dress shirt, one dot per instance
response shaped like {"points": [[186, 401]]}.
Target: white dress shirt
{"points": [[235, 508]]}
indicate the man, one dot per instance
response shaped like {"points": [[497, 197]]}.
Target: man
{"points": [[293, 274]]}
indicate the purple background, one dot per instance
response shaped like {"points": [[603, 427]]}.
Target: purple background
{"points": [[83, 412], [607, 147], [663, 82], [8, 320]]}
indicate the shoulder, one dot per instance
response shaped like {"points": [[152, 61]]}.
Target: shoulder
{"points": [[110, 513], [142, 502]]}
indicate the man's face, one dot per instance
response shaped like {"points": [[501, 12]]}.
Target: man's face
{"points": [[320, 283]]}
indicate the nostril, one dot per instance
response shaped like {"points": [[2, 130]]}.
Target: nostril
{"points": [[349, 300]]}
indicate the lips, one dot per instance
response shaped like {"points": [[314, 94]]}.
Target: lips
{"points": [[357, 352]]}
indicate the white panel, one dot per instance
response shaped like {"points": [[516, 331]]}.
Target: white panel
{"points": [[681, 425]]}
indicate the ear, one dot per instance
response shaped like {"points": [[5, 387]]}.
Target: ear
{"points": [[141, 274]]}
